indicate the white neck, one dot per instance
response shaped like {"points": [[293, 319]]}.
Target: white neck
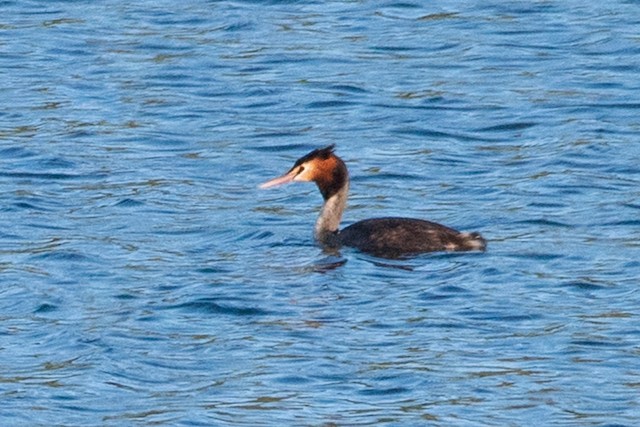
{"points": [[329, 220]]}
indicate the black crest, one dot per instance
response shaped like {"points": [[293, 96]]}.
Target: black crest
{"points": [[320, 153]]}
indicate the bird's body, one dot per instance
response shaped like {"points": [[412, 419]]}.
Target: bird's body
{"points": [[387, 237], [397, 236]]}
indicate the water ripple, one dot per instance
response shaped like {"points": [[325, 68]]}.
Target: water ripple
{"points": [[212, 306]]}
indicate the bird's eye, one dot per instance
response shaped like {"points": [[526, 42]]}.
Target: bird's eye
{"points": [[300, 170]]}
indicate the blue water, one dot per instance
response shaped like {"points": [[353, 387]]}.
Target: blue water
{"points": [[145, 280]]}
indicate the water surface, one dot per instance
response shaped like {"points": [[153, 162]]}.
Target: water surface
{"points": [[146, 281]]}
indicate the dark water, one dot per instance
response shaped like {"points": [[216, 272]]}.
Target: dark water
{"points": [[144, 280]]}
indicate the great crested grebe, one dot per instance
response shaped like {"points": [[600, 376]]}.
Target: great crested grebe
{"points": [[387, 237]]}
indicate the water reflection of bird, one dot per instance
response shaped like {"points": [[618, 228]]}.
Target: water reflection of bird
{"points": [[386, 237]]}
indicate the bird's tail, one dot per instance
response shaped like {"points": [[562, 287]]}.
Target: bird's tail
{"points": [[474, 241]]}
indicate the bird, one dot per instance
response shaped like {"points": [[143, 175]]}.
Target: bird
{"points": [[387, 237]]}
